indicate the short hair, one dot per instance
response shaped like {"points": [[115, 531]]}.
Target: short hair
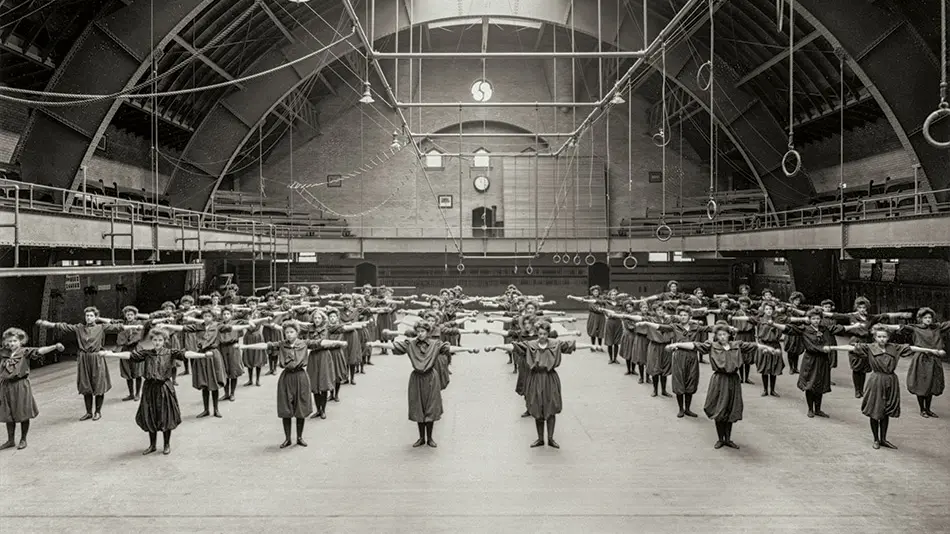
{"points": [[128, 309], [16, 333], [207, 311], [542, 325], [594, 288], [796, 295], [880, 328], [721, 326], [745, 300], [168, 304], [828, 302], [815, 312], [289, 324], [424, 325], [681, 309], [160, 332], [187, 298], [862, 301], [923, 312], [91, 309], [331, 310]]}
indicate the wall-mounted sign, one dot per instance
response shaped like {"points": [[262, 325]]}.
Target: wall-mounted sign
{"points": [[72, 282], [888, 271]]}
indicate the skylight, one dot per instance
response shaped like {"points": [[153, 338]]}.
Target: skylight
{"points": [[472, 21]]}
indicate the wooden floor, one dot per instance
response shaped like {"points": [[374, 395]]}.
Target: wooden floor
{"points": [[627, 464]]}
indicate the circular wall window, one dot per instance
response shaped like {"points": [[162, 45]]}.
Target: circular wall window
{"points": [[482, 91]]}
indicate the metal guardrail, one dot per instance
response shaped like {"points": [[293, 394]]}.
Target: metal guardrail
{"points": [[33, 197]]}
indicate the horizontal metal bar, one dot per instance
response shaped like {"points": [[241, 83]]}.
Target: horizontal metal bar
{"points": [[498, 154], [101, 269], [499, 104], [499, 55], [519, 257], [490, 134]]}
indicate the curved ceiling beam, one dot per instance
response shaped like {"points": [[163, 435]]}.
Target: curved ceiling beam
{"points": [[110, 56], [884, 51], [223, 133]]}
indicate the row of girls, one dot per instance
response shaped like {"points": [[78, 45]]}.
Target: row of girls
{"points": [[319, 340], [667, 335]]}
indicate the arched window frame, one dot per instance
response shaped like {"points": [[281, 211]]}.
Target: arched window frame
{"points": [[481, 159], [434, 159]]}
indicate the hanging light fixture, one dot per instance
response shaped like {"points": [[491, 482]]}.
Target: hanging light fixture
{"points": [[395, 145], [367, 97], [618, 98], [299, 1]]}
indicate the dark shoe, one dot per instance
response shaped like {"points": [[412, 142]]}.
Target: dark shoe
{"points": [[370, 363], [419, 442], [858, 394], [931, 414], [21, 445], [315, 415], [217, 414], [811, 414], [128, 398], [820, 413], [167, 449], [680, 414], [149, 450], [654, 394], [774, 394], [249, 383], [257, 383], [285, 444], [205, 413], [86, 417], [538, 443], [136, 398], [747, 381], [833, 383], [640, 380], [7, 445], [301, 442], [689, 413], [888, 444], [432, 443], [96, 416], [718, 445], [526, 414], [231, 398], [876, 445], [732, 444], [323, 415], [764, 394], [665, 394], [553, 444]]}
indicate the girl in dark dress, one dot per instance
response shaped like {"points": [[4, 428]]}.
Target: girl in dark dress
{"points": [[543, 394], [293, 386], [925, 374], [882, 396], [92, 377], [685, 365], [745, 332], [724, 395], [769, 332], [613, 326], [254, 360], [632, 344], [131, 371], [828, 321], [158, 410], [815, 376], [860, 366], [17, 404], [659, 361], [793, 344], [596, 320], [338, 331], [425, 382]]}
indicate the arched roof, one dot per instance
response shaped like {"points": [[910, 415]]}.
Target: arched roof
{"points": [[101, 47]]}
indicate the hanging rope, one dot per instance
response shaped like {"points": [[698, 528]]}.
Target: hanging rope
{"points": [[663, 231], [711, 207], [627, 259], [943, 109], [841, 55], [792, 161]]}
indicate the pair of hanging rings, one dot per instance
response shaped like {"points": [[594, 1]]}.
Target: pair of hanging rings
{"points": [[704, 85], [630, 262], [664, 232], [942, 111]]}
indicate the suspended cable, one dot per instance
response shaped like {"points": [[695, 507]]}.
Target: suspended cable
{"points": [[711, 207], [792, 161], [943, 108]]}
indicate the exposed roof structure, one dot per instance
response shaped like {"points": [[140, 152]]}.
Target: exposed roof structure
{"points": [[890, 51]]}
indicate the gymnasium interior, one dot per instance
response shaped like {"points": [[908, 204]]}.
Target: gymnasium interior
{"points": [[154, 149]]}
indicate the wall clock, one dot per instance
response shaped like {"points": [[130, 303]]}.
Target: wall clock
{"points": [[482, 184]]}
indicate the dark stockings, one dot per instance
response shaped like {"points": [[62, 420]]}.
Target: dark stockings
{"points": [[11, 432], [724, 435], [213, 396], [300, 424], [612, 352], [336, 392], [87, 400], [353, 369], [99, 401], [135, 387], [229, 392], [924, 401], [271, 365], [320, 399], [152, 441], [746, 369], [879, 431], [768, 385], [858, 377], [596, 342], [793, 363]]}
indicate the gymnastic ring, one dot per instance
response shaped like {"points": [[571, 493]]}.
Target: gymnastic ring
{"points": [[460, 267], [791, 155], [557, 258], [590, 259], [660, 139], [712, 209], [627, 262], [699, 76], [529, 270], [577, 259], [664, 235], [942, 111]]}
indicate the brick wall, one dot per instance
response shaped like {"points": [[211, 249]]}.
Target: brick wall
{"points": [[126, 160], [871, 152], [396, 192]]}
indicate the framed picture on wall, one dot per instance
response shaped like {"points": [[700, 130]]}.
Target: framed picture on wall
{"points": [[334, 180], [445, 202], [656, 177]]}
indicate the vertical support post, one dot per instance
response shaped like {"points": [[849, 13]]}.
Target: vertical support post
{"points": [[917, 189], [85, 194]]}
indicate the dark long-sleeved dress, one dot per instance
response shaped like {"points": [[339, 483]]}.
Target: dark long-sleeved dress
{"points": [[765, 363], [724, 395], [685, 364], [925, 374], [254, 358], [596, 320], [628, 342], [92, 377], [659, 361], [745, 333], [321, 369], [425, 384], [613, 329], [368, 332], [206, 373], [862, 334], [385, 320], [158, 410], [293, 386], [882, 392], [543, 395], [230, 355], [128, 340], [16, 394], [338, 356], [353, 338], [814, 374]]}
